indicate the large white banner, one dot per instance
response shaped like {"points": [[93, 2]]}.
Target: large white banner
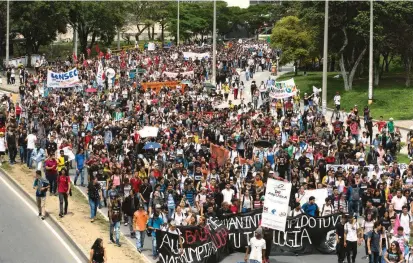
{"points": [[62, 80], [283, 89], [275, 210], [319, 194], [193, 55]]}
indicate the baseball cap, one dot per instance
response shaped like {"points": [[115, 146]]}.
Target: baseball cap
{"points": [[158, 206]]}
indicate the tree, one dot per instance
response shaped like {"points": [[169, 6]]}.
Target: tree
{"points": [[292, 38], [38, 22], [96, 19]]}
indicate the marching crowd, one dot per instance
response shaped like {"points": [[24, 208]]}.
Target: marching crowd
{"points": [[171, 177]]}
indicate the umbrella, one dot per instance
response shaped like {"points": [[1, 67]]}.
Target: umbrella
{"points": [[91, 90], [263, 144], [152, 145]]}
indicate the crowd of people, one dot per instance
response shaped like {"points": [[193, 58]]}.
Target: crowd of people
{"points": [[171, 177]]}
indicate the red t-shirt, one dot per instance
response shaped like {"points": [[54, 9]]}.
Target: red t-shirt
{"points": [[136, 184], [51, 163], [18, 111], [63, 184]]}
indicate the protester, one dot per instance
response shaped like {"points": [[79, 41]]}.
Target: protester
{"points": [[64, 189], [115, 216], [256, 248], [41, 185], [140, 221], [94, 192], [98, 252]]}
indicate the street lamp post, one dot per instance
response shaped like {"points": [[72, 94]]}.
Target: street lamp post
{"points": [[325, 61], [75, 40], [8, 34], [177, 28], [214, 45], [371, 55]]}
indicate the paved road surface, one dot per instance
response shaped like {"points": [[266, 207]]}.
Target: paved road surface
{"points": [[25, 238]]}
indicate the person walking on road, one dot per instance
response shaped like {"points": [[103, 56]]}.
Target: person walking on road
{"points": [[63, 188], [41, 187], [95, 195], [140, 220], [256, 248], [114, 219], [129, 206], [80, 164], [51, 172], [98, 252], [154, 224]]}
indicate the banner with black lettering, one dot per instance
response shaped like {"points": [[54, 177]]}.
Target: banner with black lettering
{"points": [[207, 244], [305, 234]]}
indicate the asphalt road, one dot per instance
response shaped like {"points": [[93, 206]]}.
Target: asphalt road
{"points": [[24, 236]]}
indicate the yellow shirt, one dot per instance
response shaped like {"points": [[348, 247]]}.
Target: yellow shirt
{"points": [[225, 87], [60, 163]]}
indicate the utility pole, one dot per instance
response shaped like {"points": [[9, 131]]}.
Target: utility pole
{"points": [[371, 55], [177, 28], [8, 34], [325, 61], [75, 40], [214, 45], [118, 38]]}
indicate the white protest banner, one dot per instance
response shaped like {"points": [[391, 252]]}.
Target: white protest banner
{"points": [[275, 209], [62, 80], [283, 89], [170, 74], [68, 152], [151, 46], [319, 194], [193, 55], [99, 75]]}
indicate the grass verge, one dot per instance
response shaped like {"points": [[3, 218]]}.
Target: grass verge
{"points": [[391, 98]]}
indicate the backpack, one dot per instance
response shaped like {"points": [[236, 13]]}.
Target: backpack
{"points": [[355, 194]]}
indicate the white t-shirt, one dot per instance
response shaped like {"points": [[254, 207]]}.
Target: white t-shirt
{"points": [[398, 203], [31, 141], [228, 195], [257, 245], [351, 230], [337, 99], [405, 221]]}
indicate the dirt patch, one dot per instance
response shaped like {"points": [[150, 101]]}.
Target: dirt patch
{"points": [[77, 221]]}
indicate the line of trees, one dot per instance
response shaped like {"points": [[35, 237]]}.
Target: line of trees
{"points": [[300, 35], [40, 22]]}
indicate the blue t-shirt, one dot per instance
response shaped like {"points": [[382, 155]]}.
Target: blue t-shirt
{"points": [[310, 209]]}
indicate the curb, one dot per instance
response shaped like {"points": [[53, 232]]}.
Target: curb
{"points": [[62, 229], [107, 219]]}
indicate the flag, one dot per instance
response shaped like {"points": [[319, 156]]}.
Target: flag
{"points": [[100, 54], [97, 48], [74, 57], [88, 52]]}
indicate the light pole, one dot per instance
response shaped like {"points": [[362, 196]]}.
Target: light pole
{"points": [[325, 61], [177, 28], [214, 45], [8, 33], [371, 55], [75, 40], [118, 38]]}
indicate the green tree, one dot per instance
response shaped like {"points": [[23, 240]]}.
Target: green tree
{"points": [[97, 20], [38, 22], [290, 35]]}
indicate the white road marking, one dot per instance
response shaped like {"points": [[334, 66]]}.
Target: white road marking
{"points": [[45, 222]]}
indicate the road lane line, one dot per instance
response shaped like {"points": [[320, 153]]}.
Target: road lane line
{"points": [[68, 248]]}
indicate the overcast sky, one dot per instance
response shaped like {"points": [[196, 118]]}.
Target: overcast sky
{"points": [[240, 3]]}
